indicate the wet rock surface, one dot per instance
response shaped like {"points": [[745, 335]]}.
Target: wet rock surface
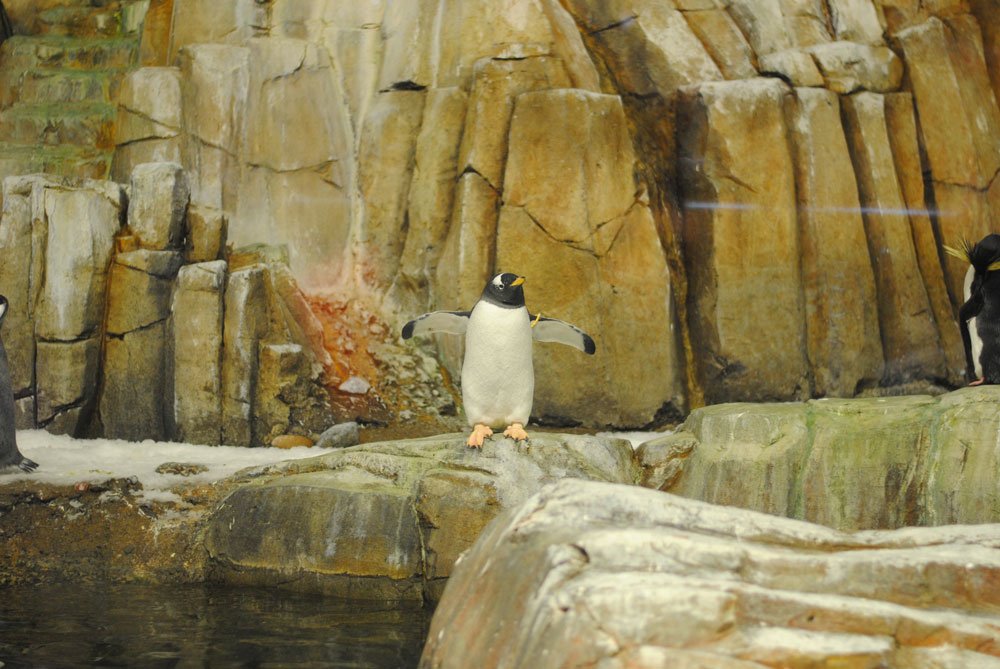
{"points": [[388, 520]]}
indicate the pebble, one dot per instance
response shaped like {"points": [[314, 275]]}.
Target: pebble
{"points": [[291, 441], [355, 386], [341, 435]]}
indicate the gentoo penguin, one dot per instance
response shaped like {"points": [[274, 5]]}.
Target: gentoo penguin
{"points": [[979, 317], [9, 455], [498, 378]]}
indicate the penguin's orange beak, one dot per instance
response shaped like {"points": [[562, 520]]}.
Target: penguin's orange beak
{"points": [[518, 281]]}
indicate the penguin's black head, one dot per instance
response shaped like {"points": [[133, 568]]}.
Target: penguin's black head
{"points": [[984, 256], [505, 290], [3, 308]]}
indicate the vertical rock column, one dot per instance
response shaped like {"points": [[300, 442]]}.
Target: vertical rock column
{"points": [[81, 224], [136, 388], [910, 340], [197, 317], [960, 128], [22, 243], [741, 238], [245, 324], [148, 127], [842, 330]]}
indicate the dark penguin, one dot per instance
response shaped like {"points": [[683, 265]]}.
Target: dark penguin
{"points": [[9, 455], [979, 317]]}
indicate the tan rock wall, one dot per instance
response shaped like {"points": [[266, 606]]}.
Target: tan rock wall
{"points": [[106, 340], [376, 140]]}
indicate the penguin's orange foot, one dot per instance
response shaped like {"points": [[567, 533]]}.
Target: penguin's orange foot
{"points": [[516, 432], [978, 382], [479, 434]]}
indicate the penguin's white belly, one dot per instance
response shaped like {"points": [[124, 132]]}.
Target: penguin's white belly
{"points": [[498, 379], [975, 339]]}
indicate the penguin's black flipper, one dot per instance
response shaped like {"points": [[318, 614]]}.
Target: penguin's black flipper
{"points": [[450, 322], [561, 332]]}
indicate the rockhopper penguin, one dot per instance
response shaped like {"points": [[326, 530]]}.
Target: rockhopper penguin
{"points": [[498, 378], [979, 317], [10, 457]]}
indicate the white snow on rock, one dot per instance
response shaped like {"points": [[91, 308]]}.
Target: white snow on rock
{"points": [[63, 460]]}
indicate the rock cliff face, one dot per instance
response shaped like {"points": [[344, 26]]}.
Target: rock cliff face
{"points": [[739, 200], [117, 329]]}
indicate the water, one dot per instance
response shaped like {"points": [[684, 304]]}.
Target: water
{"points": [[201, 626]]}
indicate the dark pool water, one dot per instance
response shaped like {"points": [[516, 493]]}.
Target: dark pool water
{"points": [[201, 626]]}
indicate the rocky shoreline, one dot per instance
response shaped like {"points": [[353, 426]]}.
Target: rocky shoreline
{"points": [[585, 538]]}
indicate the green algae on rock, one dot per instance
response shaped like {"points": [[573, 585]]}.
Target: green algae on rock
{"points": [[848, 464]]}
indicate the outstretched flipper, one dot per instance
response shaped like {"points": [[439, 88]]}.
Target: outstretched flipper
{"points": [[561, 332], [450, 322]]}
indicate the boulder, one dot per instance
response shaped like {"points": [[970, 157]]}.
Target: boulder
{"points": [[389, 520], [593, 574], [807, 21], [157, 205], [470, 244], [197, 335], [496, 85], [729, 130], [850, 464]]}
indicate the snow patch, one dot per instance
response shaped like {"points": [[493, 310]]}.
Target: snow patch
{"points": [[66, 461]]}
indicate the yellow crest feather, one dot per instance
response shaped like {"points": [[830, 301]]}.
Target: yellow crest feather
{"points": [[962, 253]]}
